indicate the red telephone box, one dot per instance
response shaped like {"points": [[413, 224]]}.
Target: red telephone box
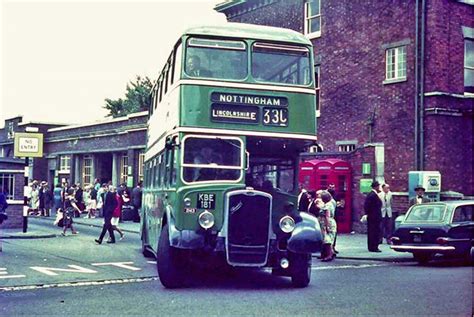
{"points": [[318, 174]]}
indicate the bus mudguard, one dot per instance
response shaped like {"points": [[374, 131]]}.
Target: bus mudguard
{"points": [[306, 237], [183, 239]]}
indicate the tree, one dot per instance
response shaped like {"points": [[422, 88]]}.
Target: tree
{"points": [[137, 98]]}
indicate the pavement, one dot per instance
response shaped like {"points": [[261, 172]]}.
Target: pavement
{"points": [[350, 246]]}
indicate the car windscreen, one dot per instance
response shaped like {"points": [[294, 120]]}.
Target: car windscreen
{"points": [[426, 213], [286, 64], [212, 159], [211, 58]]}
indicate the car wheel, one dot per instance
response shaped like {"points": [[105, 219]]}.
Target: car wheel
{"points": [[170, 264], [300, 268], [422, 257]]}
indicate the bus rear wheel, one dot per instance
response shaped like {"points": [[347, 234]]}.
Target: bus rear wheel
{"points": [[300, 266], [170, 264]]}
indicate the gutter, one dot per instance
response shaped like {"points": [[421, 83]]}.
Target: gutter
{"points": [[422, 87]]}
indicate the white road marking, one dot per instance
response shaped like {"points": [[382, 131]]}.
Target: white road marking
{"points": [[123, 265], [49, 270], [89, 283], [4, 274], [341, 267]]}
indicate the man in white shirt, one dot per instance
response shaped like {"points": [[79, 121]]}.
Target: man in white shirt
{"points": [[387, 223]]}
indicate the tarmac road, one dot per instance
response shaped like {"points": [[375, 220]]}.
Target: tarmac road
{"points": [[74, 276]]}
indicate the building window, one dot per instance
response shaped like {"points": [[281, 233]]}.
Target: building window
{"points": [[317, 72], [346, 146], [469, 66], [65, 163], [141, 164], [396, 63], [87, 170], [312, 14], [124, 169], [7, 183]]}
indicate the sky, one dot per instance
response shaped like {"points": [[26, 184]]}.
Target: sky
{"points": [[60, 59]]}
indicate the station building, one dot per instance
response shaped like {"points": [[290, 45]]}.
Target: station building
{"points": [[110, 150], [395, 84]]}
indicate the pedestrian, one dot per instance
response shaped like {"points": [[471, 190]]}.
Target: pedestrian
{"points": [[387, 220], [41, 199], [57, 201], [70, 207], [116, 214], [97, 184], [419, 198], [373, 210], [3, 205], [303, 199], [110, 202], [137, 201], [328, 225], [92, 202], [34, 199], [79, 196], [312, 203]]}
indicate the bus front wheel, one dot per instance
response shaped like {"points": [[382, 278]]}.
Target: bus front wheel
{"points": [[169, 262]]}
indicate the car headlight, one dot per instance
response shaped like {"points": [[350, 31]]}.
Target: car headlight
{"points": [[287, 224], [206, 219], [187, 202]]}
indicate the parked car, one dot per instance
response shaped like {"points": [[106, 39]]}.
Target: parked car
{"points": [[445, 227]]}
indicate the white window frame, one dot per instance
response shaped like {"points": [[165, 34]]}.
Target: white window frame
{"points": [[397, 66], [87, 170], [124, 168], [64, 163], [467, 67], [346, 146], [317, 87], [10, 184], [141, 165], [307, 20]]}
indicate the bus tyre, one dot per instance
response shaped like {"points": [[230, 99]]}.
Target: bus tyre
{"points": [[300, 266], [169, 265]]}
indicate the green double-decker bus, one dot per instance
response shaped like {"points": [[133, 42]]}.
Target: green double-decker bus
{"points": [[232, 109]]}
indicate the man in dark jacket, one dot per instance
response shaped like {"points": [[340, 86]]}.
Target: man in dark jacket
{"points": [[137, 201], [420, 196], [110, 202], [373, 210]]}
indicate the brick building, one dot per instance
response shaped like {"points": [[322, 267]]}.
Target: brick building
{"points": [[397, 75], [111, 150]]}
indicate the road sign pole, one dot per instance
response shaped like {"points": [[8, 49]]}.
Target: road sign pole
{"points": [[25, 196]]}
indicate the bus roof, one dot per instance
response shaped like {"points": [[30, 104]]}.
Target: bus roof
{"points": [[251, 31]]}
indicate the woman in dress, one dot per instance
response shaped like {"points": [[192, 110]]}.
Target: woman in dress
{"points": [[116, 215], [70, 207], [34, 199], [328, 225]]}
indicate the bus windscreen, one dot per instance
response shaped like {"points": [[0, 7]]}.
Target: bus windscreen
{"points": [[222, 59], [284, 64], [208, 159]]}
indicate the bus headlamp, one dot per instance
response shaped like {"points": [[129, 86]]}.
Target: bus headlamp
{"points": [[287, 224], [206, 219], [187, 202]]}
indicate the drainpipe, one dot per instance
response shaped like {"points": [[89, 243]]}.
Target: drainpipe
{"points": [[416, 83], [422, 87]]}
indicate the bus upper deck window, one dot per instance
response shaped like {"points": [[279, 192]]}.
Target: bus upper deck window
{"points": [[285, 64], [219, 59]]}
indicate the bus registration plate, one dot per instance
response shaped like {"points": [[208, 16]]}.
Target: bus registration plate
{"points": [[275, 116], [206, 201]]}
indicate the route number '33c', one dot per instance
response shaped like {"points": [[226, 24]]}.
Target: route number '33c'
{"points": [[275, 116]]}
